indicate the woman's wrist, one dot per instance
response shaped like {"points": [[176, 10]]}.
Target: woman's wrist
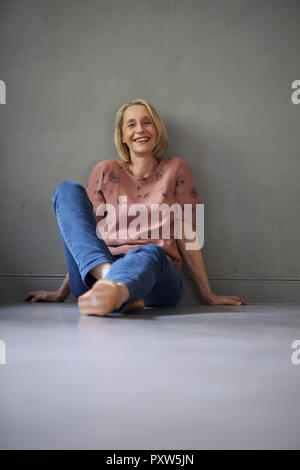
{"points": [[207, 297], [62, 294], [64, 289]]}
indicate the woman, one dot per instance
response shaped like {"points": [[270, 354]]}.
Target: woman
{"points": [[126, 272]]}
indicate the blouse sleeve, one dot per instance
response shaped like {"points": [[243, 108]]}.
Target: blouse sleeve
{"points": [[185, 190], [94, 187]]}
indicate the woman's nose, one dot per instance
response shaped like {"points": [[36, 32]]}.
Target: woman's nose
{"points": [[139, 126]]}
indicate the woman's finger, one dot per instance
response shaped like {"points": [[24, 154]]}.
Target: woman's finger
{"points": [[232, 300], [27, 296], [238, 299]]}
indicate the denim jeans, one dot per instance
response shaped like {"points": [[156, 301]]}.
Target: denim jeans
{"points": [[146, 271]]}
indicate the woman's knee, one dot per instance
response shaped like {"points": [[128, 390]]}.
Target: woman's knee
{"points": [[156, 249], [166, 293], [177, 293], [150, 248], [65, 187], [162, 301], [178, 296]]}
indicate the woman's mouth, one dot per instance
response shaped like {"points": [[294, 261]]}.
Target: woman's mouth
{"points": [[142, 140]]}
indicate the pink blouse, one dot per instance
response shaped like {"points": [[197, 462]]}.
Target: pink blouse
{"points": [[171, 182]]}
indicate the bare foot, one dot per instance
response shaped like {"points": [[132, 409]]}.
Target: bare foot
{"points": [[104, 297]]}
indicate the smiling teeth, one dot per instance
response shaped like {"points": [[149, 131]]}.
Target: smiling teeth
{"points": [[142, 140]]}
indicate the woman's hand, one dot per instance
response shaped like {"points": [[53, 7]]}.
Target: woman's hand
{"points": [[46, 296], [213, 299]]}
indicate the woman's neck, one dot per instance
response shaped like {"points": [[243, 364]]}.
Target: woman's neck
{"points": [[142, 166]]}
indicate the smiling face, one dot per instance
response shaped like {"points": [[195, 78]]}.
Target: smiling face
{"points": [[138, 124]]}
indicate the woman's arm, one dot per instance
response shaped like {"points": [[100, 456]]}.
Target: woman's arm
{"points": [[195, 264], [50, 296], [64, 289]]}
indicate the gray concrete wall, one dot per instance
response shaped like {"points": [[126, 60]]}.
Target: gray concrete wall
{"points": [[218, 72]]}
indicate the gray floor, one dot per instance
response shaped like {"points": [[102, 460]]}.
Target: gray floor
{"points": [[192, 377]]}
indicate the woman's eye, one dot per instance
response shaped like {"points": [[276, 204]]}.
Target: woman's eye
{"points": [[146, 122]]}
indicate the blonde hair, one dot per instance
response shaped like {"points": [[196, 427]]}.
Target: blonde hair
{"points": [[162, 143]]}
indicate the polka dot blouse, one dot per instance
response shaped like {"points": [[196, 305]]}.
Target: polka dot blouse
{"points": [[171, 182]]}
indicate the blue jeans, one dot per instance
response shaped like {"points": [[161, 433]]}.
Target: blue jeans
{"points": [[146, 271]]}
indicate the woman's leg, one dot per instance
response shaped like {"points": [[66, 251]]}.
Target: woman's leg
{"points": [[77, 225], [167, 291], [146, 271], [148, 274]]}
